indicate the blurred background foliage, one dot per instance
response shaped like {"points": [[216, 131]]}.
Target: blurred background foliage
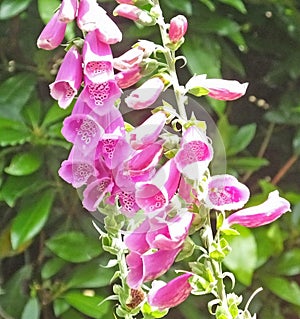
{"points": [[50, 256]]}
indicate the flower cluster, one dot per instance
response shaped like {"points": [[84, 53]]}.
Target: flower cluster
{"points": [[146, 170]]}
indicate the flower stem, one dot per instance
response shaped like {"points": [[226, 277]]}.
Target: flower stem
{"points": [[171, 61]]}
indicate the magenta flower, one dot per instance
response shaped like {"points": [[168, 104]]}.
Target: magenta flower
{"points": [[97, 58], [129, 59], [262, 214], [133, 13], [178, 27], [95, 192], [146, 94], [100, 97], [156, 193], [68, 10], [225, 192], [128, 78], [82, 130], [68, 79], [167, 295], [89, 14], [77, 169], [108, 31], [195, 153], [53, 34], [148, 132], [148, 266]]}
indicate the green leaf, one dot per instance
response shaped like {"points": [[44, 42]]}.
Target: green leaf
{"points": [[14, 292], [59, 307], [17, 186], [32, 309], [47, 8], [86, 304], [74, 246], [11, 8], [55, 114], [289, 263], [52, 267], [241, 139], [31, 218], [244, 164], [14, 94], [90, 275], [296, 143], [184, 5], [24, 164], [242, 259], [13, 136], [284, 289], [237, 4]]}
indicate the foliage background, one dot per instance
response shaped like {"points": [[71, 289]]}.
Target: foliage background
{"points": [[50, 256]]}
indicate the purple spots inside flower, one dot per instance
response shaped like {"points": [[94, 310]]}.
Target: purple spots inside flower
{"points": [[192, 152], [108, 147], [103, 185], [95, 68], [99, 92], [127, 200], [223, 196], [87, 130]]}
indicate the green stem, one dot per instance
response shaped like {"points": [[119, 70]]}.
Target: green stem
{"points": [[171, 61]]}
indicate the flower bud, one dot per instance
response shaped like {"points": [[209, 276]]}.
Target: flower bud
{"points": [[68, 10], [128, 78], [178, 27], [53, 34], [134, 13]]}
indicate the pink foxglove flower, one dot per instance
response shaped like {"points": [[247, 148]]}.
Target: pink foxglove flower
{"points": [[77, 169], [100, 97], [95, 192], [195, 153], [68, 79], [146, 94], [125, 79], [225, 192], [133, 13], [89, 13], [262, 214], [148, 132], [167, 295], [155, 194], [129, 59], [97, 59], [82, 130], [68, 10], [178, 27], [108, 31], [148, 266], [53, 34]]}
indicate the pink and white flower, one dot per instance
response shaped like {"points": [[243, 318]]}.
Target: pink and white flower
{"points": [[146, 94], [53, 33], [195, 153], [178, 28], [133, 13], [68, 10], [265, 213], [97, 58], [155, 194], [225, 192], [68, 79], [129, 59], [167, 295], [128, 78]]}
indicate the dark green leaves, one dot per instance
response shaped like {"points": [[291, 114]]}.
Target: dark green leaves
{"points": [[74, 246], [11, 8]]}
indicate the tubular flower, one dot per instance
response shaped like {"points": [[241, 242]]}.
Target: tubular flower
{"points": [[156, 193], [148, 132], [225, 192], [146, 94], [53, 34], [100, 97], [262, 214], [129, 59], [89, 13], [148, 266], [178, 27], [133, 13], [68, 10], [68, 79], [128, 78], [167, 295], [195, 153], [97, 58]]}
